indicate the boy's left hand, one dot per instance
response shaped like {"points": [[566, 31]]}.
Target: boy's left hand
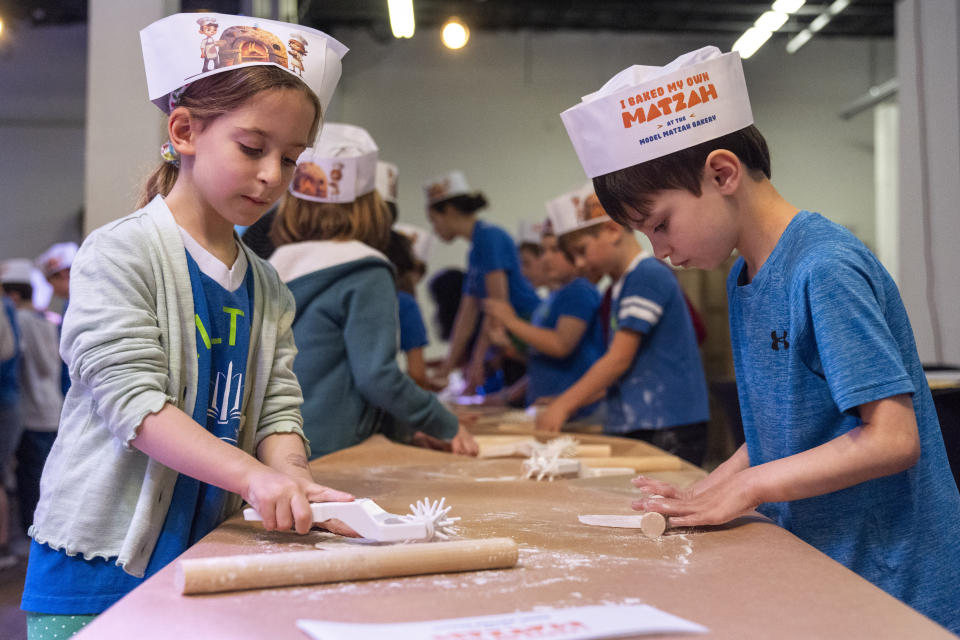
{"points": [[499, 310], [715, 505], [551, 418]]}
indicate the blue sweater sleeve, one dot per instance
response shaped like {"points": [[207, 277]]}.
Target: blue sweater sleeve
{"points": [[370, 335]]}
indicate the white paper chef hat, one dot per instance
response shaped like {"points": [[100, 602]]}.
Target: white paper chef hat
{"points": [[644, 113], [420, 239], [449, 185], [16, 271], [340, 167], [387, 176], [528, 232], [57, 258], [225, 42], [575, 210]]}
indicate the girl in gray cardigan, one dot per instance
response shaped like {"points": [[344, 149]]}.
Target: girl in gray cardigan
{"points": [[179, 345]]}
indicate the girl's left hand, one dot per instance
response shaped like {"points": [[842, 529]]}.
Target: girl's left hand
{"points": [[719, 504], [464, 443]]}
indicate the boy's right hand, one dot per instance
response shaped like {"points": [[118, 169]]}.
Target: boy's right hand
{"points": [[551, 417], [284, 501]]}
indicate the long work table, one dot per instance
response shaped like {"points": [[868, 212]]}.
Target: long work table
{"points": [[749, 579]]}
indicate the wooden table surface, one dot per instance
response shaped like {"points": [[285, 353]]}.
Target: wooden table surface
{"points": [[750, 579]]}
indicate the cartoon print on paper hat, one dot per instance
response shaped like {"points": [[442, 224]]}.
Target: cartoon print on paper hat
{"points": [[340, 167], [387, 179], [447, 186], [575, 210], [227, 42], [645, 112]]}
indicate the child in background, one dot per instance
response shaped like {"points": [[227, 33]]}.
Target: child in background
{"points": [[39, 379], [55, 264], [164, 416], [492, 270], [531, 253], [564, 335], [652, 374], [843, 447], [330, 254], [413, 333], [9, 416]]}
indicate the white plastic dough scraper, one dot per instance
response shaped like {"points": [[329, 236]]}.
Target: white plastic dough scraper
{"points": [[427, 520]]}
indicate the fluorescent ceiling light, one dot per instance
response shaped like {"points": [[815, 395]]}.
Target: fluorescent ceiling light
{"points": [[751, 40], [770, 21], [799, 40], [787, 6], [401, 18], [838, 6], [819, 22]]}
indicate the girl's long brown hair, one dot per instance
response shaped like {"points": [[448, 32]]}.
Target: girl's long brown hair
{"points": [[211, 97], [366, 219]]}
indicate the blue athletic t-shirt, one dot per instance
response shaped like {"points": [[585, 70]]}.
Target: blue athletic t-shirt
{"points": [[552, 376], [492, 249], [57, 583], [820, 330], [664, 386], [413, 333]]}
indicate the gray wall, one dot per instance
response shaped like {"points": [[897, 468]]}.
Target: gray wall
{"points": [[490, 110]]}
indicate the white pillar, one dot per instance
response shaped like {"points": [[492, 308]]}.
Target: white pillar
{"points": [[885, 178], [928, 66], [124, 130]]}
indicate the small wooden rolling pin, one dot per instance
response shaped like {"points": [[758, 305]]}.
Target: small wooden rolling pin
{"points": [[261, 571], [637, 463]]}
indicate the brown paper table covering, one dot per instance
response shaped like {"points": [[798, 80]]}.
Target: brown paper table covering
{"points": [[746, 580]]}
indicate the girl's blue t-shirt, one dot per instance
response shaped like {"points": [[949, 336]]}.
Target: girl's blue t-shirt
{"points": [[819, 331], [57, 583], [413, 333], [552, 376], [492, 249]]}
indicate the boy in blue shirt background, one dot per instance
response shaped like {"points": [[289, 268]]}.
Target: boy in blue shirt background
{"points": [[564, 336], [652, 374], [843, 447]]}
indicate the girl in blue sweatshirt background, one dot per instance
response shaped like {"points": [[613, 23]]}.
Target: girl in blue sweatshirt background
{"points": [[331, 233]]}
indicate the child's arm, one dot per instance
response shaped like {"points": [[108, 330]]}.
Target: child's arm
{"points": [[172, 438], [417, 367], [556, 343], [887, 442], [604, 372], [7, 345]]}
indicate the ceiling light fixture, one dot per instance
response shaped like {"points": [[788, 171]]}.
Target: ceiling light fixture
{"points": [[455, 34], [770, 21], [818, 23], [401, 18]]}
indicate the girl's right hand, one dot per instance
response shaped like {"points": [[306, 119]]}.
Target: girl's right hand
{"points": [[284, 501]]}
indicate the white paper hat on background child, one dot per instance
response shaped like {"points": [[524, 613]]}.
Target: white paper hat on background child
{"points": [[420, 239], [186, 46], [16, 271], [577, 209], [449, 185], [57, 258], [387, 177], [644, 113], [528, 232], [340, 167]]}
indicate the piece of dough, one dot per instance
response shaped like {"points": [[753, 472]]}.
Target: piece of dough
{"points": [[651, 523]]}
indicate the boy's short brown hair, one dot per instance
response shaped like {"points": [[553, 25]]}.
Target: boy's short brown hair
{"points": [[566, 240], [682, 169]]}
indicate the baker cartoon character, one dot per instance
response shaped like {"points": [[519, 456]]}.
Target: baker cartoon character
{"points": [[297, 46], [209, 46], [310, 180], [336, 175]]}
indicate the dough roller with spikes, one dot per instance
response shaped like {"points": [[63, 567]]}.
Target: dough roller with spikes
{"points": [[427, 520]]}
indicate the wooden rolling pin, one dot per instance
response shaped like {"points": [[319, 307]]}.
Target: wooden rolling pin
{"points": [[593, 450], [261, 571], [637, 463]]}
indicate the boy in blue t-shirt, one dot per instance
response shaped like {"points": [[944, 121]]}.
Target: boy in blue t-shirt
{"points": [[843, 447], [652, 373], [564, 335]]}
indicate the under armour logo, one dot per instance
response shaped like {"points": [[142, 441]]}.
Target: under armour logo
{"points": [[779, 340]]}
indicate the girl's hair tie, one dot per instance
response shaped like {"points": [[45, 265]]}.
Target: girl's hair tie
{"points": [[169, 154]]}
